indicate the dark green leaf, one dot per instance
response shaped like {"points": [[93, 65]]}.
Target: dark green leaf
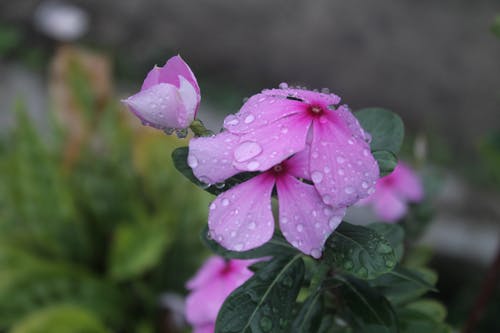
{"points": [[308, 319], [385, 127], [179, 157], [430, 307], [403, 285], [394, 234], [414, 321], [274, 247], [359, 251], [386, 160], [264, 303], [365, 308]]}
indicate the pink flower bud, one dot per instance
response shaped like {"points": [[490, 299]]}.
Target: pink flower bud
{"points": [[169, 97]]}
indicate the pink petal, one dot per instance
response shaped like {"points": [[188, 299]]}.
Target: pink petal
{"points": [[267, 146], [240, 218], [209, 271], [152, 78], [190, 99], [211, 157], [343, 169], [308, 96], [207, 328], [261, 110], [306, 222], [160, 106], [407, 183], [388, 206], [298, 164], [173, 69]]}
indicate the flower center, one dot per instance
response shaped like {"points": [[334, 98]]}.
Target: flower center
{"points": [[278, 168], [315, 110]]}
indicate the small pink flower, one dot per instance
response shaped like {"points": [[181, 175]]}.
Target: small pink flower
{"points": [[211, 285], [394, 191], [241, 218], [169, 97], [274, 125]]}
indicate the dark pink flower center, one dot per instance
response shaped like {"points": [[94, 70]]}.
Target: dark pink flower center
{"points": [[279, 169], [315, 110]]}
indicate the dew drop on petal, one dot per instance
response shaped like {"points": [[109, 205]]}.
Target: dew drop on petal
{"points": [[300, 227], [316, 177], [316, 253], [225, 202], [283, 85], [334, 221], [252, 226], [327, 199], [213, 206], [231, 120], [364, 185], [247, 150], [328, 211], [340, 159], [349, 190], [252, 166], [249, 119], [238, 247], [192, 161]]}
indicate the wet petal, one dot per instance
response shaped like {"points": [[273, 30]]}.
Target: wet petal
{"points": [[308, 96], [159, 106], [407, 183], [388, 206], [240, 218], [211, 157], [270, 145], [298, 164], [305, 221], [152, 78], [206, 328], [343, 169], [190, 99], [173, 69], [261, 110]]}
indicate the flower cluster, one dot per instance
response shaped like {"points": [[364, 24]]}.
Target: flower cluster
{"points": [[303, 143], [211, 285]]}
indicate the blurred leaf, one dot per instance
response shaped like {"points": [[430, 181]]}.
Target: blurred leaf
{"points": [[430, 307], [359, 251], [394, 235], [264, 303], [136, 248], [495, 28], [277, 246], [179, 157], [385, 127], [415, 321], [308, 319], [419, 256], [386, 161], [365, 308], [60, 319], [10, 38]]}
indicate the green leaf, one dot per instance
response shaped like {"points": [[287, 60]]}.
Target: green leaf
{"points": [[430, 307], [386, 160], [403, 285], [265, 302], [136, 248], [359, 251], [495, 28], [308, 319], [394, 233], [385, 127], [179, 157], [60, 318], [415, 321], [365, 308], [274, 247]]}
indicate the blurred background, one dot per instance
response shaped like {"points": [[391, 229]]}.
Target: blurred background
{"points": [[97, 229]]}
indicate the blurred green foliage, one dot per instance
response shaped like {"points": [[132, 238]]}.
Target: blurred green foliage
{"points": [[92, 242]]}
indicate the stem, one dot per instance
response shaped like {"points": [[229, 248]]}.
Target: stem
{"points": [[199, 129], [487, 289]]}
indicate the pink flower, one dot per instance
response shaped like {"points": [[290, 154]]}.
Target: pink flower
{"points": [[274, 125], [169, 97], [394, 191], [241, 218], [211, 285]]}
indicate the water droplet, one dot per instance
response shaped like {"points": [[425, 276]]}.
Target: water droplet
{"points": [[266, 324], [364, 185], [316, 253], [340, 159], [349, 190], [225, 202], [328, 211], [252, 166], [340, 172], [283, 85], [389, 263], [249, 119], [247, 150], [327, 199], [384, 248], [348, 264], [350, 142], [220, 185], [284, 130], [231, 120], [326, 169], [366, 152], [300, 227], [252, 226], [362, 272], [192, 161], [238, 247], [316, 177], [325, 90], [213, 206]]}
